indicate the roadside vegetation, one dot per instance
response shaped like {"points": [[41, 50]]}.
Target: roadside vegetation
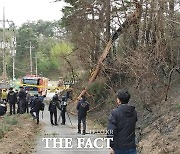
{"points": [[18, 134], [6, 125]]}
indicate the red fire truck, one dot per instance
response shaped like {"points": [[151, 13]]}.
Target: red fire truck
{"points": [[35, 84]]}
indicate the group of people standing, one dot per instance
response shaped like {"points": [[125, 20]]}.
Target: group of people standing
{"points": [[21, 98], [57, 103], [61, 104]]}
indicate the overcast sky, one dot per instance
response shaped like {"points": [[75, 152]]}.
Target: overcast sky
{"points": [[21, 11]]}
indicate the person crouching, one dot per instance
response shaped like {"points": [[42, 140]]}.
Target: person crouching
{"points": [[36, 107]]}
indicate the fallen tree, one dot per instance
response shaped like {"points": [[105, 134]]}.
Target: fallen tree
{"points": [[127, 23]]}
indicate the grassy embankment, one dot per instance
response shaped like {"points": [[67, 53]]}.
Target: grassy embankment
{"points": [[17, 134]]}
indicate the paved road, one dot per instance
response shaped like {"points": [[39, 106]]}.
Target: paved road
{"points": [[66, 131]]}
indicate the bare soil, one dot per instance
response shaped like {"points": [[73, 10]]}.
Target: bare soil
{"points": [[162, 134]]}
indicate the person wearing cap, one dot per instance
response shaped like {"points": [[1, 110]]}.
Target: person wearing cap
{"points": [[63, 109], [54, 104], [82, 107], [11, 99], [121, 125]]}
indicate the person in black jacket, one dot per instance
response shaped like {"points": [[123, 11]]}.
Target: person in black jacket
{"points": [[54, 104], [22, 100], [121, 125], [63, 109], [11, 99], [82, 107], [27, 102], [36, 106]]}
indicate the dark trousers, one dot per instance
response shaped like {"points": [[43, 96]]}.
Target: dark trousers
{"points": [[21, 106], [63, 117], [18, 107], [12, 108], [35, 116], [83, 119], [55, 117], [26, 108]]}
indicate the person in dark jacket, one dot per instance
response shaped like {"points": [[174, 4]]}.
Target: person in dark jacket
{"points": [[54, 104], [121, 125], [36, 106], [27, 102], [16, 93], [82, 107], [63, 109], [11, 99], [22, 100]]}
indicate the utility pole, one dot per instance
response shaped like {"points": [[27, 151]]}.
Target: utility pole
{"points": [[36, 66], [4, 48], [13, 54], [30, 53], [30, 58]]}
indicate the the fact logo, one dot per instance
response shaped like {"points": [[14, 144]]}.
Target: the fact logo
{"points": [[67, 143]]}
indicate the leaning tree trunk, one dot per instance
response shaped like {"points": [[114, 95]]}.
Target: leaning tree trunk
{"points": [[128, 22]]}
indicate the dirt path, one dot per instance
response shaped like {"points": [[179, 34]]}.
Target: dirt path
{"points": [[64, 131]]}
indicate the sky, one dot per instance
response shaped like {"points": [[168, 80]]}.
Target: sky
{"points": [[21, 11]]}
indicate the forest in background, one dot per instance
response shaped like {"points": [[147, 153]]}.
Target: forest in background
{"points": [[144, 56], [145, 59], [48, 44]]}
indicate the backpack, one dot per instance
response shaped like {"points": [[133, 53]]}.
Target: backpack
{"points": [[41, 105]]}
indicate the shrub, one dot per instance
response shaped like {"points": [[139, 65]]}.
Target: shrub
{"points": [[99, 90]]}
